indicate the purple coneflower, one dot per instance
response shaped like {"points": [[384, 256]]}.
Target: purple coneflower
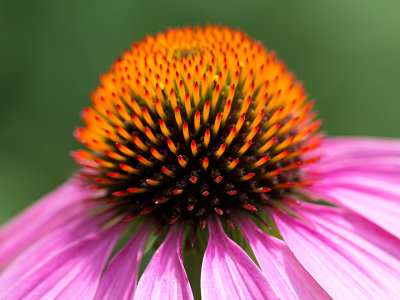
{"points": [[202, 137]]}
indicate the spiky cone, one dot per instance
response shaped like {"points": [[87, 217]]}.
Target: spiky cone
{"points": [[196, 122]]}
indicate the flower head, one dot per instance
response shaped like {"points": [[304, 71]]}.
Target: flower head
{"points": [[203, 129]]}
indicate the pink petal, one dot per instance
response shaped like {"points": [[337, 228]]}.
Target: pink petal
{"points": [[287, 276], [165, 276], [376, 250], [356, 147], [377, 200], [383, 167], [72, 273], [348, 256], [49, 245], [228, 272], [373, 155], [119, 280], [44, 216], [362, 174]]}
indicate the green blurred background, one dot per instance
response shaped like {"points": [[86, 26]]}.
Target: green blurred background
{"points": [[52, 53]]}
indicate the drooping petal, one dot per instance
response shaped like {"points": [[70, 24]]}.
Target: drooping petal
{"points": [[373, 249], [349, 256], [287, 276], [44, 216], [165, 276], [358, 147], [377, 200], [228, 272], [371, 155], [72, 273], [364, 176], [387, 166], [49, 245], [120, 277]]}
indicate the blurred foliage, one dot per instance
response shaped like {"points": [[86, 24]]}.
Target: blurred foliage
{"points": [[52, 52]]}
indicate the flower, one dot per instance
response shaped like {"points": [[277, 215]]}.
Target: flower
{"points": [[201, 136]]}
